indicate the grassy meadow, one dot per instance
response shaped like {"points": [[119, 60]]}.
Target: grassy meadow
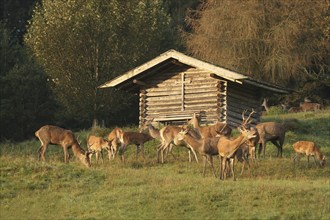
{"points": [[144, 189]]}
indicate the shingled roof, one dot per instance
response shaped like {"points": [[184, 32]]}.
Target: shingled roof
{"points": [[127, 81]]}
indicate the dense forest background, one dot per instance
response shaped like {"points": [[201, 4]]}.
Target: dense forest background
{"points": [[54, 54]]}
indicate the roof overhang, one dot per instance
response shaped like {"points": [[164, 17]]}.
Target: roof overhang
{"points": [[172, 59]]}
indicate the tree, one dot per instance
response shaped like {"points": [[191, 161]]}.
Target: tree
{"points": [[15, 13], [83, 43], [273, 40], [26, 101]]}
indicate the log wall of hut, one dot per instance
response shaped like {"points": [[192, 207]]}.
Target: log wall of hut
{"points": [[174, 95], [241, 97]]}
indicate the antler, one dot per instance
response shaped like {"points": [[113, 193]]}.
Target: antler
{"points": [[248, 120]]}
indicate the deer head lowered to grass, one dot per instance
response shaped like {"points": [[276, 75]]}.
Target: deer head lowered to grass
{"points": [[50, 134], [97, 145], [309, 149]]}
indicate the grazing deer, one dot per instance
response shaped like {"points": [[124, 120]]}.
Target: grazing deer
{"points": [[309, 106], [211, 130], [168, 135], [50, 134], [207, 147], [271, 131], [96, 145], [310, 149], [127, 138], [227, 148]]}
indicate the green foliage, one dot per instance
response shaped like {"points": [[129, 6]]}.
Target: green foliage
{"points": [[276, 110], [26, 101], [82, 44], [144, 189]]}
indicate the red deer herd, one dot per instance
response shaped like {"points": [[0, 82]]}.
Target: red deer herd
{"points": [[208, 141]]}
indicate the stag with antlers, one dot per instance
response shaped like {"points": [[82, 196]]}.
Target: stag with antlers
{"points": [[227, 148]]}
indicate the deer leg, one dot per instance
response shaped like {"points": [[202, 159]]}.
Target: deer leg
{"points": [[90, 157], [159, 149], [109, 151], [66, 155], [307, 161], [260, 150], [189, 156], [227, 168], [142, 150], [220, 167], [249, 167], [164, 148], [264, 144], [41, 153], [113, 148], [294, 159], [315, 160], [170, 150], [243, 165], [137, 151], [194, 154], [204, 165], [121, 152], [113, 152], [279, 148], [97, 157], [231, 162], [101, 153], [246, 161], [211, 164], [223, 167]]}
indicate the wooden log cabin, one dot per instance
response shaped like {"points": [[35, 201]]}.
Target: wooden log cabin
{"points": [[173, 86]]}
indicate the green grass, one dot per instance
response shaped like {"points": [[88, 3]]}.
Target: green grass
{"points": [[175, 190]]}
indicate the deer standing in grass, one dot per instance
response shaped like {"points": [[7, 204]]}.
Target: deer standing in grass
{"points": [[271, 131], [169, 137], [227, 148], [309, 106], [127, 138], [310, 149], [50, 134], [114, 141], [207, 147], [155, 133], [211, 130], [243, 154], [96, 145]]}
